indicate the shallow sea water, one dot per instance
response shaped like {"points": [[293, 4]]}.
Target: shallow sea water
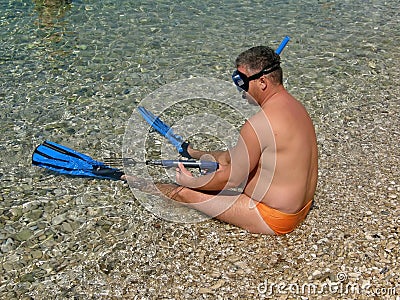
{"points": [[73, 73]]}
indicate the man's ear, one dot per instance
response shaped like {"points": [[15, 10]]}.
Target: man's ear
{"points": [[263, 81]]}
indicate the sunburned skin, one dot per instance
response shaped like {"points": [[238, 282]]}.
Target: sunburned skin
{"points": [[275, 157]]}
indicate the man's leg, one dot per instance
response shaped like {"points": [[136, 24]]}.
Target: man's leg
{"points": [[235, 209]]}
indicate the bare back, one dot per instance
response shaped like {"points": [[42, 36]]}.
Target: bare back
{"points": [[286, 175]]}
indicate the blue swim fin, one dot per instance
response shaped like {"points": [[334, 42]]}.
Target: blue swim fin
{"points": [[64, 160], [176, 140]]}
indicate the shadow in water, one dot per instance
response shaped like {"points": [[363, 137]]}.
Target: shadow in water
{"points": [[53, 26], [51, 11]]}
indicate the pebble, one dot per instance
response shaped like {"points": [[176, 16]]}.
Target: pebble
{"points": [[205, 291], [94, 211], [218, 284], [57, 220], [353, 274], [316, 274], [215, 274], [34, 215], [27, 278], [36, 254], [8, 266], [66, 227], [8, 245], [365, 284], [24, 235]]}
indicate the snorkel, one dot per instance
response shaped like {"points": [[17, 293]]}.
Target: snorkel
{"points": [[282, 45]]}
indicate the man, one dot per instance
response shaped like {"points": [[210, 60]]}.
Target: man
{"points": [[275, 157]]}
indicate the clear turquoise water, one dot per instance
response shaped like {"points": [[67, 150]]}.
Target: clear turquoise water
{"points": [[73, 73]]}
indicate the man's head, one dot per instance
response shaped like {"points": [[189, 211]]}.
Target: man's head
{"points": [[259, 61]]}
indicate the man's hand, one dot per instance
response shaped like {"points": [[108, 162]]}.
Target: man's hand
{"points": [[183, 176]]}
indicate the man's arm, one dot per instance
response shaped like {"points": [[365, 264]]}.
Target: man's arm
{"points": [[222, 157], [235, 164]]}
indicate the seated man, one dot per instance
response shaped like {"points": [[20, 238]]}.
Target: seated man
{"points": [[275, 157]]}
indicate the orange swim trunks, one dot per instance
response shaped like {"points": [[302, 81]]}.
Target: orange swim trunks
{"points": [[280, 222]]}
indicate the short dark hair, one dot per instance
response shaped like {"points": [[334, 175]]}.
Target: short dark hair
{"points": [[257, 58]]}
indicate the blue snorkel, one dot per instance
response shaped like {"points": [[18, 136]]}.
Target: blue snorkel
{"points": [[282, 45]]}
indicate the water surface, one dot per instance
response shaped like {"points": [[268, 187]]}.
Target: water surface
{"points": [[73, 73]]}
